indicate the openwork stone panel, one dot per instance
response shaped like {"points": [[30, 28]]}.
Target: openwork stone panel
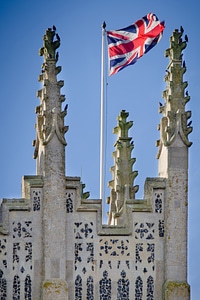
{"points": [[123, 287], [16, 261], [105, 287], [3, 286], [78, 288], [158, 201], [36, 194], [138, 288], [28, 288], [117, 267], [70, 195], [90, 288]]}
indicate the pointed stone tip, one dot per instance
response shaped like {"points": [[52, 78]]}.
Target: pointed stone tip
{"points": [[50, 45], [124, 113]]}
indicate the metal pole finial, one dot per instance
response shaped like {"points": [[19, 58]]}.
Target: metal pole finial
{"points": [[104, 25]]}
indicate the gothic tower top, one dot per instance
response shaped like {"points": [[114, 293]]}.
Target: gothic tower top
{"points": [[50, 117], [53, 244], [175, 119]]}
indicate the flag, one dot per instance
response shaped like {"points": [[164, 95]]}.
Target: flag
{"points": [[127, 45]]}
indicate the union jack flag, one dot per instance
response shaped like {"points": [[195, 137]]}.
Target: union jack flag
{"points": [[127, 45]]}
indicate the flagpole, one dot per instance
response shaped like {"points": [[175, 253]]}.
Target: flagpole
{"points": [[102, 117]]}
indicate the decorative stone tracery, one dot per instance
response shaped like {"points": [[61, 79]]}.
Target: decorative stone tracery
{"points": [[116, 261], [3, 286], [105, 287]]}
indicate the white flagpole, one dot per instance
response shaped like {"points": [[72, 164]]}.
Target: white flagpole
{"points": [[102, 117]]}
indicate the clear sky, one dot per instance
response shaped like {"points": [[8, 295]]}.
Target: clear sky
{"points": [[137, 89]]}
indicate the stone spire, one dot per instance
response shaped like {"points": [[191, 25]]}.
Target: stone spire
{"points": [[50, 155], [50, 118], [175, 119], [122, 185], [173, 166]]}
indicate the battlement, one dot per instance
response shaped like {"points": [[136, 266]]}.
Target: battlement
{"points": [[53, 244]]}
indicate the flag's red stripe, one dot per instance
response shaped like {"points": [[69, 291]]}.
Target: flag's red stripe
{"points": [[128, 47], [128, 44]]}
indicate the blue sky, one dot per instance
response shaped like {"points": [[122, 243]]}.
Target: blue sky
{"points": [[137, 89]]}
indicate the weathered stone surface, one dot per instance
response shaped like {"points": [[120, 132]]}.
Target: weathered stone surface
{"points": [[53, 244], [55, 289], [175, 290]]}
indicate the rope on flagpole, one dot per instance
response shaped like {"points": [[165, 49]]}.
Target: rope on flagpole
{"points": [[102, 117], [106, 125]]}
